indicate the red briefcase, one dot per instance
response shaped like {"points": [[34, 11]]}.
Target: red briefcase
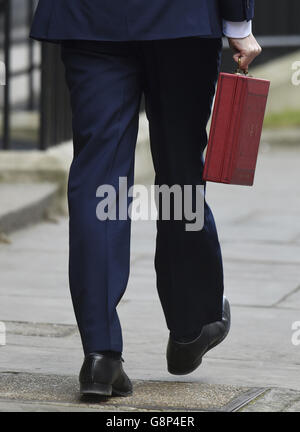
{"points": [[236, 128]]}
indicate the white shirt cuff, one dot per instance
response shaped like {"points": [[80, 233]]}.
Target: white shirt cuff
{"points": [[237, 29]]}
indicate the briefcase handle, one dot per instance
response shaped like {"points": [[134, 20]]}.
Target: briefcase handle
{"points": [[240, 71]]}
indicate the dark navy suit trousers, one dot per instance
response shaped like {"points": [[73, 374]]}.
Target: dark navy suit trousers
{"points": [[106, 82]]}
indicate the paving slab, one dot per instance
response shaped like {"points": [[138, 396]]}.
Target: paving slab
{"points": [[275, 400], [39, 308], [263, 253], [259, 283], [292, 301], [19, 406], [148, 395]]}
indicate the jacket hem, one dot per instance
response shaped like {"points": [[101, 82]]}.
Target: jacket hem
{"points": [[58, 39]]}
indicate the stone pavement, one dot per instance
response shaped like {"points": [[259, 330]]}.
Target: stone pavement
{"points": [[259, 229]]}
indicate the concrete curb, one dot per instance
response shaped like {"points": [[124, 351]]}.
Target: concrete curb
{"points": [[52, 165], [35, 166], [25, 204]]}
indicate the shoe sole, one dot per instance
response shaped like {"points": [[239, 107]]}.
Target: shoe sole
{"points": [[175, 372], [198, 362], [97, 389]]}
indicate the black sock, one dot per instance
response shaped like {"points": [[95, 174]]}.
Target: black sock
{"points": [[186, 339], [112, 354]]}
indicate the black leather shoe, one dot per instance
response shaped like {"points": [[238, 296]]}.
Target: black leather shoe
{"points": [[103, 376], [184, 357]]}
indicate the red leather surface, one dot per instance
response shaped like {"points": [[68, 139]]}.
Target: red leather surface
{"points": [[236, 128]]}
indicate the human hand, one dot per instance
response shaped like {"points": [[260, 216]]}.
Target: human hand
{"points": [[245, 49]]}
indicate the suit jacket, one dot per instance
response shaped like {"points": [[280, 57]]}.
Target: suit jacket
{"points": [[123, 20]]}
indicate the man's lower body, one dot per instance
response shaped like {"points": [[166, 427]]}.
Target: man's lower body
{"points": [[106, 82]]}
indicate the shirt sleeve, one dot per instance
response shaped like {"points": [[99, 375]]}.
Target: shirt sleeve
{"points": [[234, 29]]}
